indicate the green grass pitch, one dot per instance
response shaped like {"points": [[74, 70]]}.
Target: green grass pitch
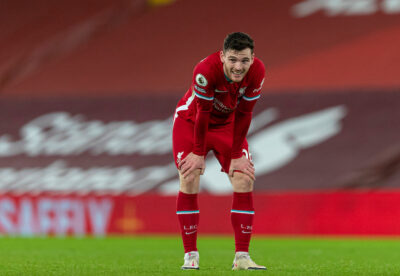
{"points": [[156, 255]]}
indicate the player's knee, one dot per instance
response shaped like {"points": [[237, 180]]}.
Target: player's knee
{"points": [[192, 177], [242, 183], [190, 184]]}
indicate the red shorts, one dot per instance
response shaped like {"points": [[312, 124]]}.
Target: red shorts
{"points": [[219, 139]]}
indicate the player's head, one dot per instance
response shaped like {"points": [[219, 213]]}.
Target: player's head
{"points": [[238, 41], [237, 55]]}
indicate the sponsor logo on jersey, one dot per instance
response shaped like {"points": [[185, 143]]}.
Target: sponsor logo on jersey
{"points": [[200, 89], [220, 91], [201, 80], [218, 105]]}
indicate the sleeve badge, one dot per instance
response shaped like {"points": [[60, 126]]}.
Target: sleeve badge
{"points": [[201, 80]]}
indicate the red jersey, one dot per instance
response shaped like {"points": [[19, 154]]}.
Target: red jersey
{"points": [[210, 83], [213, 99]]}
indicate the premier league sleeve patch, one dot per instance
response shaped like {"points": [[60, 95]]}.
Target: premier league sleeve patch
{"points": [[201, 80]]}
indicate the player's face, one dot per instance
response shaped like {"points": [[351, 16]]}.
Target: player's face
{"points": [[237, 63]]}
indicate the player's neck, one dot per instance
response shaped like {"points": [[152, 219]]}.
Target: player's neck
{"points": [[227, 78]]}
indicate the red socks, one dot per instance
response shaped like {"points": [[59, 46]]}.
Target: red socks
{"points": [[188, 214], [242, 215]]}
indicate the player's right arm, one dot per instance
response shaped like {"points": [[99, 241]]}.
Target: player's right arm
{"points": [[243, 116], [202, 85]]}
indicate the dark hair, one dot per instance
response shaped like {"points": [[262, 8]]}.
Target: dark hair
{"points": [[238, 41]]}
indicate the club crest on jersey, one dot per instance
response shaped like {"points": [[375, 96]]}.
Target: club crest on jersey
{"points": [[201, 80], [242, 90], [179, 157]]}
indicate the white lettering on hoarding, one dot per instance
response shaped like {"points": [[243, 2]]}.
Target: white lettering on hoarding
{"points": [[58, 177], [47, 216], [99, 215], [61, 133], [7, 213], [70, 217], [272, 148], [391, 6], [345, 7], [26, 223]]}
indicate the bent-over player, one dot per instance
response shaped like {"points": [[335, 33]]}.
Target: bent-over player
{"points": [[215, 114]]}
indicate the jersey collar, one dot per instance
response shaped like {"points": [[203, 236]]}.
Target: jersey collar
{"points": [[228, 79]]}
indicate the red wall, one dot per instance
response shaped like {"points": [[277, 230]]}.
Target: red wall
{"points": [[332, 213]]}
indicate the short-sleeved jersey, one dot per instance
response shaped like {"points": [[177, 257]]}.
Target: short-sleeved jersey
{"points": [[210, 83]]}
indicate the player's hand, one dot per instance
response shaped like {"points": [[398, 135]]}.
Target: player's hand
{"points": [[244, 165], [191, 163]]}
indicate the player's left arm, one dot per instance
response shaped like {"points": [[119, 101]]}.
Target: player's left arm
{"points": [[243, 115]]}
